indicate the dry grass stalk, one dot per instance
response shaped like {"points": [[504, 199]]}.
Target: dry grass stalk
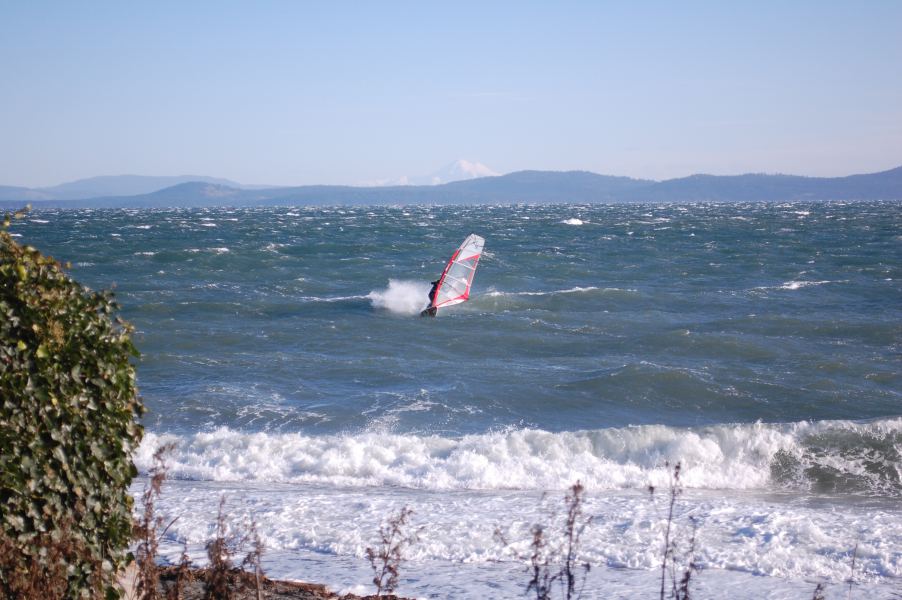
{"points": [[223, 578], [679, 585], [45, 574], [148, 529], [220, 551], [852, 571], [675, 489], [539, 565], [255, 556], [681, 591], [574, 525], [183, 576], [821, 587], [395, 537], [551, 563], [819, 592]]}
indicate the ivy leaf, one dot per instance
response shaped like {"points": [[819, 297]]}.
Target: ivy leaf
{"points": [[67, 439]]}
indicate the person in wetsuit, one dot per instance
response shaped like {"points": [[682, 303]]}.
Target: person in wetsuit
{"points": [[431, 310]]}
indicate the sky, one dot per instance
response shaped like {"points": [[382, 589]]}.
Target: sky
{"points": [[332, 92]]}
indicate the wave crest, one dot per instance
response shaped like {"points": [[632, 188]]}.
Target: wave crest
{"points": [[822, 456]]}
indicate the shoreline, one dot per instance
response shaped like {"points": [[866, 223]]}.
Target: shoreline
{"points": [[242, 584], [310, 540], [607, 582]]}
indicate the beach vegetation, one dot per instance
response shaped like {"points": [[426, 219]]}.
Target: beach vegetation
{"points": [[68, 425], [395, 537], [554, 561], [819, 592], [221, 551], [148, 528], [224, 577], [680, 567]]}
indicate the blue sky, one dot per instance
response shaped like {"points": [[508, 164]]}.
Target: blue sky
{"points": [[345, 92]]}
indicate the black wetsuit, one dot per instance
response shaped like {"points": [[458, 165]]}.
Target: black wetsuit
{"points": [[431, 310], [432, 292]]}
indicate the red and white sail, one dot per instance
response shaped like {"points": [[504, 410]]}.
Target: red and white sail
{"points": [[454, 284]]}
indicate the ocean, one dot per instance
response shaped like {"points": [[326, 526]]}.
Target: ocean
{"points": [[757, 345]]}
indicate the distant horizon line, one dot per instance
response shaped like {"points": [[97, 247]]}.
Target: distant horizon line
{"points": [[366, 185]]}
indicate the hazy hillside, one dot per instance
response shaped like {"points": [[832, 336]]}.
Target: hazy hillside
{"points": [[19, 194], [755, 187], [551, 186], [111, 186], [519, 187]]}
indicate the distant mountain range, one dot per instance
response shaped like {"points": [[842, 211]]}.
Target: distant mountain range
{"points": [[115, 185], [131, 191]]}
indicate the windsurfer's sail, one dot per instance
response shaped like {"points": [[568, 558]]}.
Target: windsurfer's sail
{"points": [[454, 284]]}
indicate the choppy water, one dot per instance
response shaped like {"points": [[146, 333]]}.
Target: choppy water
{"points": [[757, 344]]}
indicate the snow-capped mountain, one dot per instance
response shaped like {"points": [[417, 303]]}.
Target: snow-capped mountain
{"points": [[459, 170]]}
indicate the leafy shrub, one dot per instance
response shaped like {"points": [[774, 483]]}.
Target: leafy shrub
{"points": [[68, 410]]}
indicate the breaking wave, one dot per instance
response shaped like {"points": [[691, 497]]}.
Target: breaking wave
{"points": [[819, 457]]}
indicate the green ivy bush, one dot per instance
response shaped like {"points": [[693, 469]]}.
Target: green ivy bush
{"points": [[68, 422]]}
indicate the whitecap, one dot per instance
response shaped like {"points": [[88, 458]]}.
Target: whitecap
{"points": [[728, 456], [401, 297], [573, 290], [796, 285]]}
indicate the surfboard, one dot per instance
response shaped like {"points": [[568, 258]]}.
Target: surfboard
{"points": [[454, 285]]}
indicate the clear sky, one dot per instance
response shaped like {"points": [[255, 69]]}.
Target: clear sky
{"points": [[344, 92]]}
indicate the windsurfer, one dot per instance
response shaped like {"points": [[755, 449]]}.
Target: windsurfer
{"points": [[453, 287], [431, 310]]}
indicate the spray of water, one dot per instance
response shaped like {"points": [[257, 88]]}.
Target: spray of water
{"points": [[401, 296]]}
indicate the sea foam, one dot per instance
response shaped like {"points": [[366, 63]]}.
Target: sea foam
{"points": [[740, 456], [401, 296]]}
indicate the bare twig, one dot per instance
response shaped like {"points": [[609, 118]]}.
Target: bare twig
{"points": [[183, 575], [558, 563], [148, 530], [539, 563], [254, 557], [574, 525], [44, 574], [682, 592], [675, 490], [680, 578], [395, 537], [221, 551]]}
